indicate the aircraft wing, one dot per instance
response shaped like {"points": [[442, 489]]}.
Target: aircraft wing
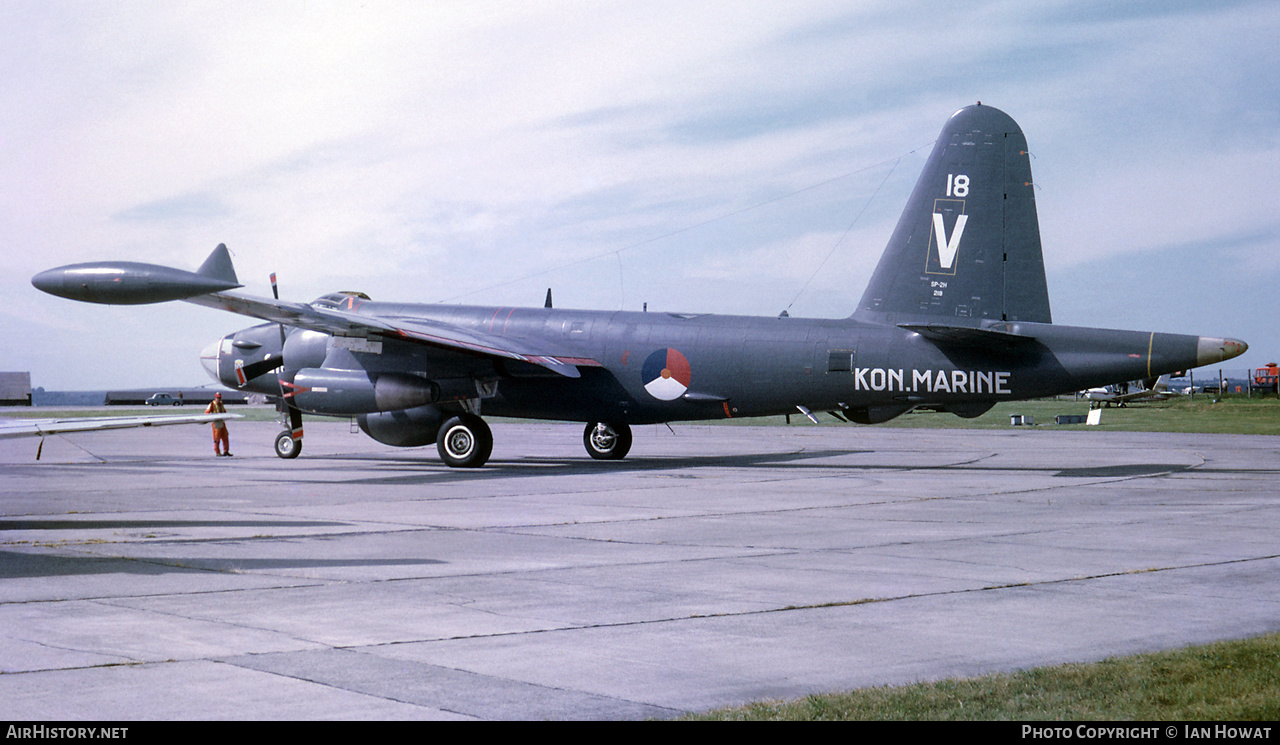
{"points": [[423, 331], [16, 427], [291, 314], [1142, 395], [1146, 390], [131, 283], [1109, 397]]}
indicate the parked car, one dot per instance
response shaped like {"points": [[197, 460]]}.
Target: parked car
{"points": [[163, 399]]}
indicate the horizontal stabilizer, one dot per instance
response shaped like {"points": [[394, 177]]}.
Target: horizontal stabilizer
{"points": [[968, 336]]}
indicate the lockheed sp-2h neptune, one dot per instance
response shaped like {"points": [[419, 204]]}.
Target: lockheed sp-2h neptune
{"points": [[956, 317]]}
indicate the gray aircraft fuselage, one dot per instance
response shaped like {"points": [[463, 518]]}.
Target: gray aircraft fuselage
{"points": [[743, 366]]}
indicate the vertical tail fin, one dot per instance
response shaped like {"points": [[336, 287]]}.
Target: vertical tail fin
{"points": [[968, 243]]}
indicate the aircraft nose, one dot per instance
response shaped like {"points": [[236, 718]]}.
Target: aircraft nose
{"points": [[209, 357], [1212, 349]]}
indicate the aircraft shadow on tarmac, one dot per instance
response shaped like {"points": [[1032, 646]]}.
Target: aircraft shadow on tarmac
{"points": [[1129, 470], [24, 524], [17, 564], [419, 471], [410, 471]]}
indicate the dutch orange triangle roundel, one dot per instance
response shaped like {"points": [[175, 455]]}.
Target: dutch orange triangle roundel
{"points": [[666, 374]]}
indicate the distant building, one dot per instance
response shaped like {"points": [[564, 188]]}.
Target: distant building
{"points": [[15, 389]]}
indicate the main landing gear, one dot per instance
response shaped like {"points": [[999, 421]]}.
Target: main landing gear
{"points": [[606, 440], [465, 441]]}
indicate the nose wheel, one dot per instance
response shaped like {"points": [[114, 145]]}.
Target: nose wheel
{"points": [[607, 441], [289, 441], [286, 446]]}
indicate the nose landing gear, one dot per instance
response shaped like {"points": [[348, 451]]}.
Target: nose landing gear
{"points": [[286, 446]]}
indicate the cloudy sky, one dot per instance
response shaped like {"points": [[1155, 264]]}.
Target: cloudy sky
{"points": [[707, 156]]}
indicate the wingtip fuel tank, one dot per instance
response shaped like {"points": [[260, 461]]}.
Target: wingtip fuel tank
{"points": [[125, 283], [133, 283]]}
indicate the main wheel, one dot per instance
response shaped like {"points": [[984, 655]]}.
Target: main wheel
{"points": [[286, 446], [607, 441], [464, 441]]}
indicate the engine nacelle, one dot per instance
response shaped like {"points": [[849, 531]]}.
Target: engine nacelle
{"points": [[409, 428], [344, 392], [306, 348]]}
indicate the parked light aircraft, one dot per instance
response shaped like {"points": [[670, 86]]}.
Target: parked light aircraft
{"points": [[956, 317], [1128, 392]]}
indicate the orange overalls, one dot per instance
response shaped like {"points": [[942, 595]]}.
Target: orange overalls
{"points": [[220, 434]]}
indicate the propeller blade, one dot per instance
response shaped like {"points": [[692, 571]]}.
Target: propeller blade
{"points": [[275, 290], [291, 412], [246, 373]]}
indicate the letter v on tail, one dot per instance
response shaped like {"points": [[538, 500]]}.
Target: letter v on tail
{"points": [[947, 247]]}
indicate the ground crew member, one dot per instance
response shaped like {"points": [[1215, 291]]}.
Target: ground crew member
{"points": [[220, 435]]}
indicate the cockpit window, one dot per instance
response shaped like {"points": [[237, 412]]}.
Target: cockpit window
{"points": [[340, 299]]}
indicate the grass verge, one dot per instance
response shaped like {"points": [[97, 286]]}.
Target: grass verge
{"points": [[1225, 681]]}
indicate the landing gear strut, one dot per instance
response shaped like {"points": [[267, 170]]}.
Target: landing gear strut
{"points": [[464, 441], [606, 440]]}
